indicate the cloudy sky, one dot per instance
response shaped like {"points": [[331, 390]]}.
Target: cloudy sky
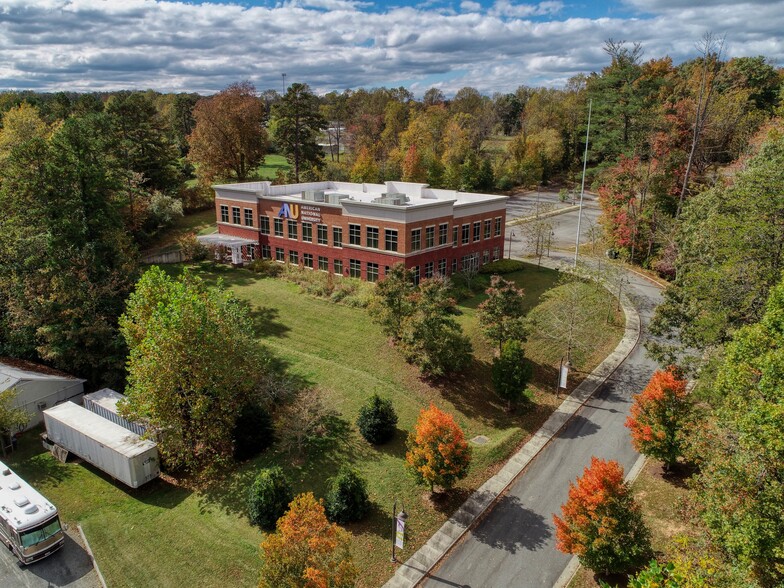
{"points": [[492, 45]]}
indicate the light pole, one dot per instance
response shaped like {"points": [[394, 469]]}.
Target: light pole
{"points": [[582, 186], [398, 529], [512, 234]]}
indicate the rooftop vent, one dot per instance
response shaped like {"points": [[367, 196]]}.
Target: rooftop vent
{"points": [[6, 472], [313, 195], [21, 501], [14, 485], [335, 198], [32, 509]]}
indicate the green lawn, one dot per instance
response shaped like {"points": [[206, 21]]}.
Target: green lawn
{"points": [[272, 163], [165, 535], [201, 223]]}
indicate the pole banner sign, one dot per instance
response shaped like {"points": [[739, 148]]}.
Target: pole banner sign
{"points": [[400, 531], [562, 379]]}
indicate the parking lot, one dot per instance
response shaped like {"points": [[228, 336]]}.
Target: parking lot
{"points": [[71, 567]]}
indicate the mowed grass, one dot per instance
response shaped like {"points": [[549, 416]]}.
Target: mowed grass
{"points": [[272, 164], [167, 535]]}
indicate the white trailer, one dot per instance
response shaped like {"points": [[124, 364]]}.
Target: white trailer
{"points": [[117, 451], [104, 402]]}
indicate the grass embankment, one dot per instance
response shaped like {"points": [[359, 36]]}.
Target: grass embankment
{"points": [[165, 535], [201, 223]]}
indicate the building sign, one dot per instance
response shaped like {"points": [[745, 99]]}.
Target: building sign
{"points": [[400, 532], [289, 211], [311, 214]]}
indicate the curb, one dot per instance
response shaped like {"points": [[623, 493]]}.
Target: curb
{"points": [[527, 219], [92, 557], [419, 565]]}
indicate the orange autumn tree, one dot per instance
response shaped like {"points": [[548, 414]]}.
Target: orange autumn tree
{"points": [[307, 551], [438, 453], [657, 416], [601, 522]]}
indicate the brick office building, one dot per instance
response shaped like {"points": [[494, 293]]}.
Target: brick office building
{"points": [[360, 230]]}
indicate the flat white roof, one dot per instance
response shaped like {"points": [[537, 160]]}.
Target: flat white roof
{"points": [[23, 371], [416, 194], [100, 429], [107, 398], [22, 504]]}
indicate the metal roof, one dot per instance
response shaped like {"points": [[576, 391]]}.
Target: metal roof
{"points": [[22, 371]]}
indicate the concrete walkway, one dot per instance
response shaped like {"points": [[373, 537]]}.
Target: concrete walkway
{"points": [[411, 572]]}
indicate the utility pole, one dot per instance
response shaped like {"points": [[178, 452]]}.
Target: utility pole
{"points": [[284, 84], [582, 187]]}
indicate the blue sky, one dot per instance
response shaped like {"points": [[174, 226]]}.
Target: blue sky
{"points": [[492, 45]]}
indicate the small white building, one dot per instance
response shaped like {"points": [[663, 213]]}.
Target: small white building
{"points": [[38, 387]]}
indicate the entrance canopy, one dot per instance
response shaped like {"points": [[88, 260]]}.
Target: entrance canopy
{"points": [[233, 244]]}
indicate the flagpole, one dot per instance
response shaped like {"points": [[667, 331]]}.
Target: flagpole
{"points": [[582, 187]]}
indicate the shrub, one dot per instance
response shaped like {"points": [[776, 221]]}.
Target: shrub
{"points": [[511, 374], [265, 267], [347, 499], [502, 266], [192, 248], [253, 432], [377, 420], [269, 497]]}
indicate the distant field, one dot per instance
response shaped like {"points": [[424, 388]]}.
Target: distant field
{"points": [[164, 535], [272, 163]]}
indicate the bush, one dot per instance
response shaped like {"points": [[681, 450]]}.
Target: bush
{"points": [[269, 497], [253, 432], [347, 499], [377, 420], [266, 267], [192, 248], [502, 266]]}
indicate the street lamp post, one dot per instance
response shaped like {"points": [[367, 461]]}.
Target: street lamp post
{"points": [[398, 528], [511, 234]]}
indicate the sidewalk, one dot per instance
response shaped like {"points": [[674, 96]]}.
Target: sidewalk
{"points": [[411, 572]]}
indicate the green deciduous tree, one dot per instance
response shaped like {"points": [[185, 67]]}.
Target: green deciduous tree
{"points": [[297, 122], [431, 338], [192, 366], [12, 419], [269, 497], [501, 316], [228, 139], [391, 303], [511, 373]]}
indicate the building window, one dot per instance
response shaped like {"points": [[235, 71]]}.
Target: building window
{"points": [[416, 239], [338, 265], [454, 265], [322, 235], [278, 227], [307, 232], [354, 268], [252, 251], [466, 234], [337, 236], [455, 229], [354, 234], [429, 269], [266, 252], [307, 259], [485, 256], [294, 257], [390, 239], [488, 226], [264, 225], [224, 213], [292, 229], [442, 267], [415, 275], [496, 253], [371, 234], [430, 237], [323, 263], [372, 272], [477, 230], [498, 227], [280, 255], [235, 215], [248, 217], [443, 233]]}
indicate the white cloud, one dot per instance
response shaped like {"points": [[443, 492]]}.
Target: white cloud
{"points": [[336, 44]]}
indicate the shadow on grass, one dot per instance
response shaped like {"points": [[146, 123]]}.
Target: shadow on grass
{"points": [[265, 323], [522, 528], [395, 447], [376, 522], [471, 393]]}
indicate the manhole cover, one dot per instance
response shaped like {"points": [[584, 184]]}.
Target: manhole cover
{"points": [[480, 440]]}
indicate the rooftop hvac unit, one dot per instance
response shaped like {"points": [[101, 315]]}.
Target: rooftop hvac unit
{"points": [[335, 198], [313, 195]]}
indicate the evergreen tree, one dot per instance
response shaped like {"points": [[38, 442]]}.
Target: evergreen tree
{"points": [[297, 123]]}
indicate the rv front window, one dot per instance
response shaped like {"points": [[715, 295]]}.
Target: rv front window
{"points": [[40, 533]]}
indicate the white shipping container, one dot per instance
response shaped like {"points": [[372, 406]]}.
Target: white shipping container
{"points": [[104, 402], [108, 446]]}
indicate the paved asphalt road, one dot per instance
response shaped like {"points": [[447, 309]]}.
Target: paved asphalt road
{"points": [[70, 567], [514, 545]]}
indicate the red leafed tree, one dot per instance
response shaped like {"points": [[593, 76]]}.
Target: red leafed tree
{"points": [[657, 416], [307, 551], [601, 523], [438, 453], [414, 169]]}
